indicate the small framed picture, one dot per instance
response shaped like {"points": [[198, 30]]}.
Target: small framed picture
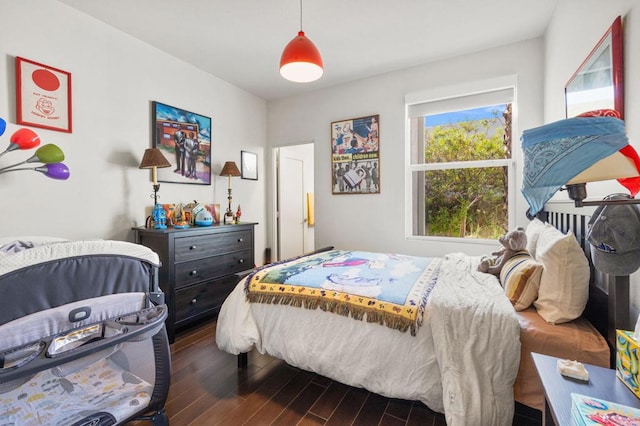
{"points": [[249, 165], [43, 96]]}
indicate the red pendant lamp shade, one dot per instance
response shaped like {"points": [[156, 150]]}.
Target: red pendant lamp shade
{"points": [[301, 61]]}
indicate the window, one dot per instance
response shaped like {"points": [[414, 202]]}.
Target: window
{"points": [[461, 171]]}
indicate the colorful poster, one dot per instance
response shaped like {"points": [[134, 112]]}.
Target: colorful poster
{"points": [[43, 96], [184, 138], [355, 155]]}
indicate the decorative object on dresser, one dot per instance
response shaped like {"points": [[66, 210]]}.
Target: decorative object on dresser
{"points": [[200, 267], [229, 169], [153, 159]]}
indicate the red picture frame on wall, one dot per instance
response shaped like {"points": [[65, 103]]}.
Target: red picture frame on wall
{"points": [[43, 96]]}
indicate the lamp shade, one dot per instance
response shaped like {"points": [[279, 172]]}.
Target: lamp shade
{"points": [[49, 153], [58, 171], [301, 61], [153, 158], [23, 139], [615, 166], [556, 153], [230, 169]]}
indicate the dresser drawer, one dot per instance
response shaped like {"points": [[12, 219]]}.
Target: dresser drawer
{"points": [[199, 267], [202, 298], [191, 248], [188, 273]]}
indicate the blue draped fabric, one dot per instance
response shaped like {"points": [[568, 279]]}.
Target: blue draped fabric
{"points": [[557, 152]]}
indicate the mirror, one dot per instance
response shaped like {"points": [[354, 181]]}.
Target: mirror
{"points": [[598, 82]]}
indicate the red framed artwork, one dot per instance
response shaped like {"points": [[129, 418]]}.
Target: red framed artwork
{"points": [[43, 96]]}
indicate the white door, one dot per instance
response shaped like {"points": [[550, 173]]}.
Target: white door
{"points": [[291, 220]]}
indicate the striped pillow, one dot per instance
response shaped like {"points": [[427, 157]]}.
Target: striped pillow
{"points": [[520, 277]]}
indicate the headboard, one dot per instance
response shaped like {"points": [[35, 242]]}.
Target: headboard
{"points": [[608, 307]]}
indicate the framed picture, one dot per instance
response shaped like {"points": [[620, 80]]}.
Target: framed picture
{"points": [[355, 155], [214, 209], [43, 96], [248, 165], [184, 138]]}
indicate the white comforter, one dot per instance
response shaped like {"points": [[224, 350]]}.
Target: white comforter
{"points": [[463, 360]]}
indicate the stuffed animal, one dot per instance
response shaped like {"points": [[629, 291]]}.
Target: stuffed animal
{"points": [[512, 242]]}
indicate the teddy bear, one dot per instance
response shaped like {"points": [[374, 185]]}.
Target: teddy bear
{"points": [[512, 242]]}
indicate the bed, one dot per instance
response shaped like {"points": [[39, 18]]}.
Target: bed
{"points": [[468, 353], [82, 337]]}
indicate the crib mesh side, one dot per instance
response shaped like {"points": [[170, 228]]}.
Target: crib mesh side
{"points": [[108, 386]]}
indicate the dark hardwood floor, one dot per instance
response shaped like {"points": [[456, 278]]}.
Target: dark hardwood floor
{"points": [[207, 388]]}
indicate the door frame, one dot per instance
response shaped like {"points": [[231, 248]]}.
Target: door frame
{"points": [[275, 252]]}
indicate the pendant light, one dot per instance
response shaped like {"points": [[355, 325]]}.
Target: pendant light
{"points": [[301, 61]]}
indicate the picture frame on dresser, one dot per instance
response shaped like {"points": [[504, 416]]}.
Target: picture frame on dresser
{"points": [[200, 266]]}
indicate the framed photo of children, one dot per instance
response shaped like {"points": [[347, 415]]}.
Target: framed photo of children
{"points": [[43, 96], [355, 155], [184, 138]]}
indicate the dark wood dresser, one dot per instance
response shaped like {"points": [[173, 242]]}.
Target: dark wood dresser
{"points": [[200, 267]]}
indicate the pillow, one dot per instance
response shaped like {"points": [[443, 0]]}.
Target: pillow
{"points": [[520, 277], [533, 231], [564, 285]]}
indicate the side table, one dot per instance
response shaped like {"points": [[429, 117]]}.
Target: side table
{"points": [[602, 384]]}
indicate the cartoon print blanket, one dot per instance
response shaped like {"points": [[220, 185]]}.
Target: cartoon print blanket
{"points": [[388, 289]]}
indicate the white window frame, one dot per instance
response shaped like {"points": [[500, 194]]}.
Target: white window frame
{"points": [[461, 96]]}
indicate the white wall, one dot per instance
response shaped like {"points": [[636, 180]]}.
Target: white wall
{"points": [[576, 27], [114, 79], [375, 222]]}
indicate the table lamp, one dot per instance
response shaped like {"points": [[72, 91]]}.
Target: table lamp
{"points": [[152, 159], [229, 169], [567, 154]]}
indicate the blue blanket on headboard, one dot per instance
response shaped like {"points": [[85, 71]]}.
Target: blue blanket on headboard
{"points": [[557, 152]]}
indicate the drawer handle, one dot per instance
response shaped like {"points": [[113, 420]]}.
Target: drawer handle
{"points": [[193, 247], [192, 273], [193, 301], [241, 240], [241, 261]]}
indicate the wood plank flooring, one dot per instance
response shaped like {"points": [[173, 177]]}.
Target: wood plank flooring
{"points": [[207, 388]]}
